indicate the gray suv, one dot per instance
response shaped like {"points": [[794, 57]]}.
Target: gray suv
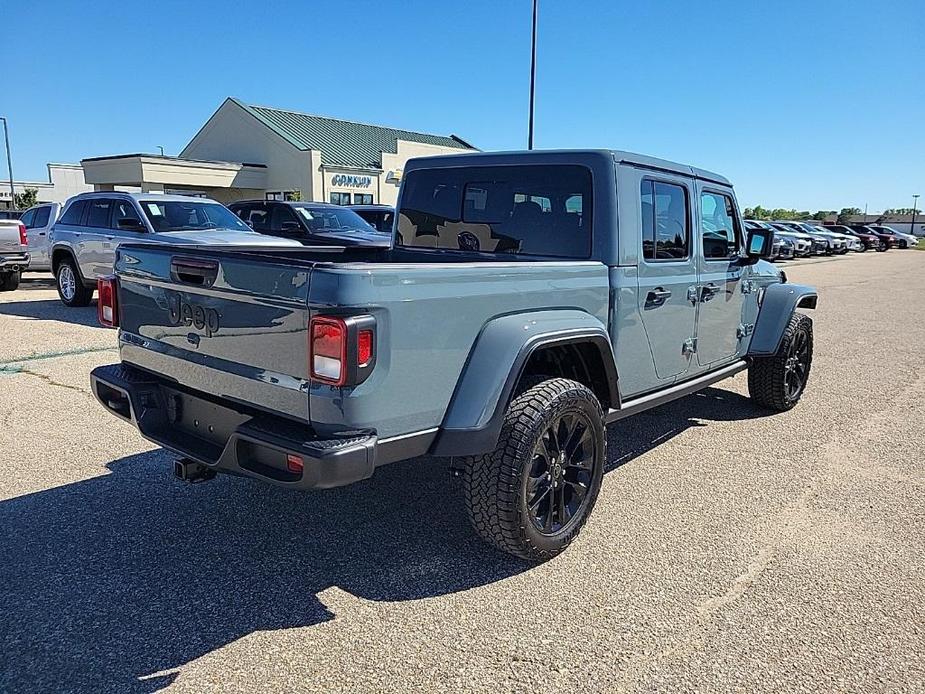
{"points": [[83, 241]]}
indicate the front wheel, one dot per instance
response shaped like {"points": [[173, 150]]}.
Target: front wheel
{"points": [[882, 247], [531, 496], [778, 381], [71, 289]]}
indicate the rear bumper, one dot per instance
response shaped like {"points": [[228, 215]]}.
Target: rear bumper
{"points": [[228, 440], [14, 261]]}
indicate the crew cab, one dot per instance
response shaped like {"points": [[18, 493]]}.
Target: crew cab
{"points": [[529, 299], [82, 244]]}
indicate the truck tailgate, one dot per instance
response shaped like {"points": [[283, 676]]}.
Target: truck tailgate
{"points": [[9, 237], [183, 311]]}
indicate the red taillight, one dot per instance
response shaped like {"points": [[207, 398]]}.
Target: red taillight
{"points": [[364, 348], [328, 350], [107, 305], [23, 239]]}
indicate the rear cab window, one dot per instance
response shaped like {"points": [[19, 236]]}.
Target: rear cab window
{"points": [[539, 210]]}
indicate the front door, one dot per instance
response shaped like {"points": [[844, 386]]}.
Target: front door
{"points": [[37, 233], [721, 290], [667, 273]]}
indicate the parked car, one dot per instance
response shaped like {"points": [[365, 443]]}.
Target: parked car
{"points": [[840, 242], [14, 253], [379, 216], [804, 244], [883, 241], [38, 221], [901, 240], [867, 241], [853, 243], [312, 223], [784, 246], [511, 321], [84, 239]]}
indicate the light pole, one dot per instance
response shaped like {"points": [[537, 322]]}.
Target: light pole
{"points": [[915, 199], [9, 162], [532, 78]]}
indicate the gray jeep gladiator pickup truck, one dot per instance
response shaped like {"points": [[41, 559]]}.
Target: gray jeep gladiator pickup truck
{"points": [[529, 299]]}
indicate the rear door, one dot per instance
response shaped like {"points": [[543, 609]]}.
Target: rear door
{"points": [[722, 287], [37, 232], [667, 271]]}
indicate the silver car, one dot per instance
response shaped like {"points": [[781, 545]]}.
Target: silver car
{"points": [[83, 241]]}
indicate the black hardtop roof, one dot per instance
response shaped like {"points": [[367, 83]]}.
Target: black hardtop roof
{"points": [[560, 156]]}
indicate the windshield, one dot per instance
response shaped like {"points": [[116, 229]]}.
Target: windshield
{"points": [[175, 215], [321, 220]]}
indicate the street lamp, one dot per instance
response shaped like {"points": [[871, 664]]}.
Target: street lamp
{"points": [[915, 199], [532, 78], [9, 162]]}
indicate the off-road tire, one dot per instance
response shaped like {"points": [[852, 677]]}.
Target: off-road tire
{"points": [[82, 295], [495, 483], [767, 375], [9, 281]]}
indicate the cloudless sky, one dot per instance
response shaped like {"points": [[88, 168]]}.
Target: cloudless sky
{"points": [[812, 105]]}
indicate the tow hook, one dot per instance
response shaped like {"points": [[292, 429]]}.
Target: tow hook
{"points": [[191, 471]]}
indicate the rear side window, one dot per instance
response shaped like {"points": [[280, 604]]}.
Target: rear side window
{"points": [[42, 215], [719, 226], [540, 210], [28, 218], [74, 212], [98, 216], [665, 215]]}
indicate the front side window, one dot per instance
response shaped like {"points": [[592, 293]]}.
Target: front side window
{"points": [[540, 210], [665, 214], [719, 226], [282, 214], [98, 215], [175, 215]]}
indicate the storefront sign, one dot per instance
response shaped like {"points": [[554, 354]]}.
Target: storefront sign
{"points": [[349, 181]]}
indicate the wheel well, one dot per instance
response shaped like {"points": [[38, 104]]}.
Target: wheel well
{"points": [[579, 361], [57, 256]]}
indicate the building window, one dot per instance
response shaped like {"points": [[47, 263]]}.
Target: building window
{"points": [[340, 198], [362, 199]]}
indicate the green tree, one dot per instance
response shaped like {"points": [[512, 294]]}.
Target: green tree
{"points": [[26, 199], [901, 210], [847, 212]]}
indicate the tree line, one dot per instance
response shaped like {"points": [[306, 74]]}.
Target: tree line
{"points": [[843, 215]]}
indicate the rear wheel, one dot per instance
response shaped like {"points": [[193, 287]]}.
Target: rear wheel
{"points": [[9, 281], [71, 289], [531, 496], [881, 247], [778, 381]]}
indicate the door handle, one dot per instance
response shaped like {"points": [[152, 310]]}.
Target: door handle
{"points": [[657, 297], [708, 291], [41, 233]]}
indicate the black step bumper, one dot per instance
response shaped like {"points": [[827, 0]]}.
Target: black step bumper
{"points": [[223, 437]]}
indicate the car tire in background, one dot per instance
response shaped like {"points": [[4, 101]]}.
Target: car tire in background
{"points": [[71, 289], [531, 496], [882, 247], [9, 281], [777, 382]]}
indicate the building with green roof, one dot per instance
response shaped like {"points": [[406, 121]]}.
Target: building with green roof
{"points": [[246, 151]]}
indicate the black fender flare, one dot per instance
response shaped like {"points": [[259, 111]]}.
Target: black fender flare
{"points": [[778, 303], [473, 420]]}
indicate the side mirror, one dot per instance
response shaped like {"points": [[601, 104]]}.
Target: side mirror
{"points": [[291, 227], [130, 224], [759, 244]]}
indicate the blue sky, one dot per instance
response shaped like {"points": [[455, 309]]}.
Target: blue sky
{"points": [[802, 104]]}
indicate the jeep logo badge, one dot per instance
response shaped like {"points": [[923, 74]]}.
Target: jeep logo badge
{"points": [[187, 313]]}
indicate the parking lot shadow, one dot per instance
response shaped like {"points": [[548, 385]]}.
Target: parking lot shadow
{"points": [[629, 438], [112, 583], [52, 309], [108, 583]]}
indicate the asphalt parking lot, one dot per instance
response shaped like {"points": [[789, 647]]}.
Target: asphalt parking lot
{"points": [[730, 550]]}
